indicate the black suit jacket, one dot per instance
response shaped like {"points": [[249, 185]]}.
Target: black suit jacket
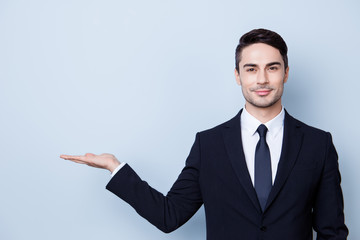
{"points": [[306, 193]]}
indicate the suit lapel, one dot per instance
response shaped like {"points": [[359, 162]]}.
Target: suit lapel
{"points": [[292, 141], [233, 143]]}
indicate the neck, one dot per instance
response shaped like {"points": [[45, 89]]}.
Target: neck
{"points": [[264, 114]]}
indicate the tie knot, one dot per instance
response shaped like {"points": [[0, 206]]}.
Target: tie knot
{"points": [[262, 129]]}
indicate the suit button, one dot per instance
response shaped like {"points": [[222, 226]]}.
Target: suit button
{"points": [[263, 228]]}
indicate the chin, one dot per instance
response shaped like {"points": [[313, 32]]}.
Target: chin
{"points": [[264, 104]]}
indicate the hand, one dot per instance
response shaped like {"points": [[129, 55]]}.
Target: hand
{"points": [[105, 160]]}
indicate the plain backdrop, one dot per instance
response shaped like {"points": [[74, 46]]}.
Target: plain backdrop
{"points": [[138, 79]]}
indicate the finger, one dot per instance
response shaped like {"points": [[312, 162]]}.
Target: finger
{"points": [[91, 164], [63, 156], [80, 162], [72, 157]]}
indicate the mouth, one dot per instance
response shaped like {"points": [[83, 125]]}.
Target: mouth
{"points": [[263, 92]]}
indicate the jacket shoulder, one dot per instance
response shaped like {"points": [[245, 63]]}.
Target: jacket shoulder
{"points": [[305, 128], [233, 122]]}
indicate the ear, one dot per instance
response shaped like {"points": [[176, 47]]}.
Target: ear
{"points": [[237, 77], [286, 74]]}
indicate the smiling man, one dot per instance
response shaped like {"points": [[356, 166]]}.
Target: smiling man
{"points": [[260, 175], [262, 73]]}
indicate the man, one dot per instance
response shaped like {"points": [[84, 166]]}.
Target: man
{"points": [[261, 175]]}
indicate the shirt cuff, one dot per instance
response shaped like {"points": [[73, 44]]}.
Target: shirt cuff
{"points": [[117, 169]]}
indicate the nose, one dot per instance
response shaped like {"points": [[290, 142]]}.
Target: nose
{"points": [[262, 77]]}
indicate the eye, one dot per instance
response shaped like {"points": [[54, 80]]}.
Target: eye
{"points": [[273, 68], [250, 69]]}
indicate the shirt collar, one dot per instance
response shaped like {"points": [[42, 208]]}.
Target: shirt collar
{"points": [[250, 123]]}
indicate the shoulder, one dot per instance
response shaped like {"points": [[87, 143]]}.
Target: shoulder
{"points": [[233, 123], [307, 130]]}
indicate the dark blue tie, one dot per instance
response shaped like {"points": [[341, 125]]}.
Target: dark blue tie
{"points": [[263, 181]]}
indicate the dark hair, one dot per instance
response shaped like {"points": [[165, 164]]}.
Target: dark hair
{"points": [[261, 36]]}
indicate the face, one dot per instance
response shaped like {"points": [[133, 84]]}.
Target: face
{"points": [[261, 75]]}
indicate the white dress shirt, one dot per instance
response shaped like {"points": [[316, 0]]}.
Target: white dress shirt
{"points": [[117, 169], [250, 138]]}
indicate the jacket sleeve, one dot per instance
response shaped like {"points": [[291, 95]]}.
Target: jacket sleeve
{"points": [[328, 210], [165, 212]]}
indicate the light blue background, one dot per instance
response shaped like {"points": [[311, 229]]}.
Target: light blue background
{"points": [[138, 79]]}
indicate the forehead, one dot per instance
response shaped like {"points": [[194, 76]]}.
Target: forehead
{"points": [[260, 53]]}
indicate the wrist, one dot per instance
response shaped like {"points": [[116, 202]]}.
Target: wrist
{"points": [[113, 165]]}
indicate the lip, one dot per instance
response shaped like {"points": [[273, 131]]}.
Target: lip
{"points": [[263, 92]]}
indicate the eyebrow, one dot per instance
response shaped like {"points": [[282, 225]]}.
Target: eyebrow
{"points": [[273, 63], [255, 65]]}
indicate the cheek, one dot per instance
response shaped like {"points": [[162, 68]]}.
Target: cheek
{"points": [[247, 80], [277, 80]]}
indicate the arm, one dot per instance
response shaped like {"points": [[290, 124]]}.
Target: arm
{"points": [[165, 212], [328, 211]]}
